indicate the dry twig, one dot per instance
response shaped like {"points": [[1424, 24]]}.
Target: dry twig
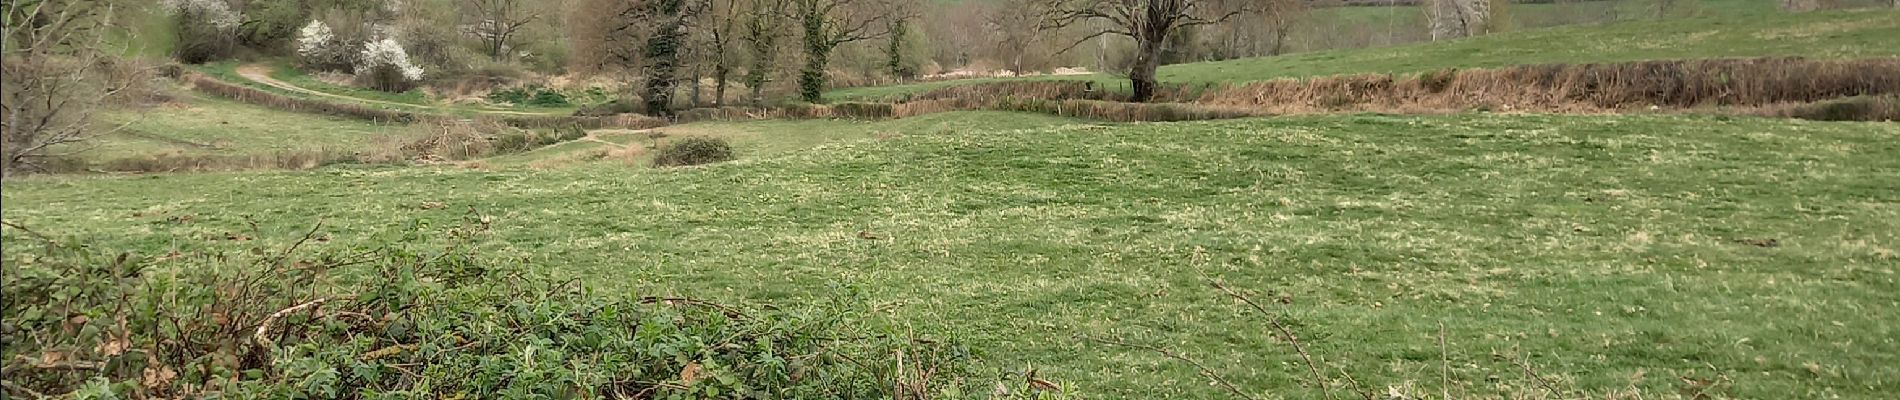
{"points": [[1285, 332], [1209, 373]]}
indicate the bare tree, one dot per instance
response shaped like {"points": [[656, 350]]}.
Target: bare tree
{"points": [[1015, 26], [497, 22], [721, 24], [1452, 19], [765, 25], [606, 35], [49, 85], [1148, 22], [827, 24]]}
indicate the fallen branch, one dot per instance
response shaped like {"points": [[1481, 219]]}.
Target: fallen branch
{"points": [[262, 339], [23, 228], [729, 311], [1285, 332], [1525, 364]]}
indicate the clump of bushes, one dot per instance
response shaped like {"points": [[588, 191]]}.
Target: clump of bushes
{"points": [[458, 140], [421, 314], [385, 66], [319, 48], [204, 29], [693, 150], [529, 96]]}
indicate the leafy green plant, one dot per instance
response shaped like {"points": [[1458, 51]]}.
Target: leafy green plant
{"points": [[530, 96], [424, 315]]}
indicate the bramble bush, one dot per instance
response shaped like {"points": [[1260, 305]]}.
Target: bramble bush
{"points": [[420, 313], [693, 150]]}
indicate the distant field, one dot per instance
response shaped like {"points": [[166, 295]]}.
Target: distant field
{"points": [[201, 125], [1614, 252], [1835, 34], [770, 138]]}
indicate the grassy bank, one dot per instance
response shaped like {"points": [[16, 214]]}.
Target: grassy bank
{"points": [[1833, 34]]}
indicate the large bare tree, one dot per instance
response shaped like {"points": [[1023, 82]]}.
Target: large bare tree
{"points": [[1148, 22], [497, 22], [1015, 28], [721, 22], [49, 82], [764, 27], [827, 24]]}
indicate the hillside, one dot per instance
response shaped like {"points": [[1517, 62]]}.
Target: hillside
{"points": [[1834, 34]]}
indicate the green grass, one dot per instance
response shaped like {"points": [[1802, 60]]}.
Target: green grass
{"points": [[758, 139], [290, 74], [1833, 34], [1603, 248], [412, 101], [201, 125]]}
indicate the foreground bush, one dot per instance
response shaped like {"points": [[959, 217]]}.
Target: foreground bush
{"points": [[693, 150], [412, 318]]}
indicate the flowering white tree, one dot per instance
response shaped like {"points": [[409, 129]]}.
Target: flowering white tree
{"points": [[319, 48], [205, 28], [215, 13], [384, 65]]}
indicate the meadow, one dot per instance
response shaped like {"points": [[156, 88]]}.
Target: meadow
{"points": [[1675, 256]]}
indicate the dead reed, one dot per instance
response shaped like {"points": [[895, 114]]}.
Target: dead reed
{"points": [[1562, 88]]}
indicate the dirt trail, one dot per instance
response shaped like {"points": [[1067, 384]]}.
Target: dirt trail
{"points": [[260, 73]]}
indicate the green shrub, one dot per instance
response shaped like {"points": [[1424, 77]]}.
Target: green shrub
{"points": [[548, 98], [421, 314], [693, 150], [530, 96]]}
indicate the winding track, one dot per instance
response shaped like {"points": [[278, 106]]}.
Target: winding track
{"points": [[260, 73]]}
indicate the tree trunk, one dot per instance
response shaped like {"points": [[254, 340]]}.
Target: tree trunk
{"points": [[696, 97], [1142, 75], [663, 59], [818, 45], [721, 73], [811, 80]]}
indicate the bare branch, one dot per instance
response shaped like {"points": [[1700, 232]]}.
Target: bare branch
{"points": [[1205, 371], [1285, 332]]}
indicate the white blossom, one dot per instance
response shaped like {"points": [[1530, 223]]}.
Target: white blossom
{"points": [[214, 12], [388, 52], [314, 40]]}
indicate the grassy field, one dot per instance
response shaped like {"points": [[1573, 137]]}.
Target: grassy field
{"points": [[755, 139], [1615, 253], [200, 125], [1834, 34]]}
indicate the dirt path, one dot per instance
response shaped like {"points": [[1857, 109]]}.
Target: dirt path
{"points": [[260, 73]]}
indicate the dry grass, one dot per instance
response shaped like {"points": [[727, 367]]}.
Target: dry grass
{"points": [[441, 141], [1861, 108], [299, 159], [614, 121], [1561, 88], [1575, 87]]}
